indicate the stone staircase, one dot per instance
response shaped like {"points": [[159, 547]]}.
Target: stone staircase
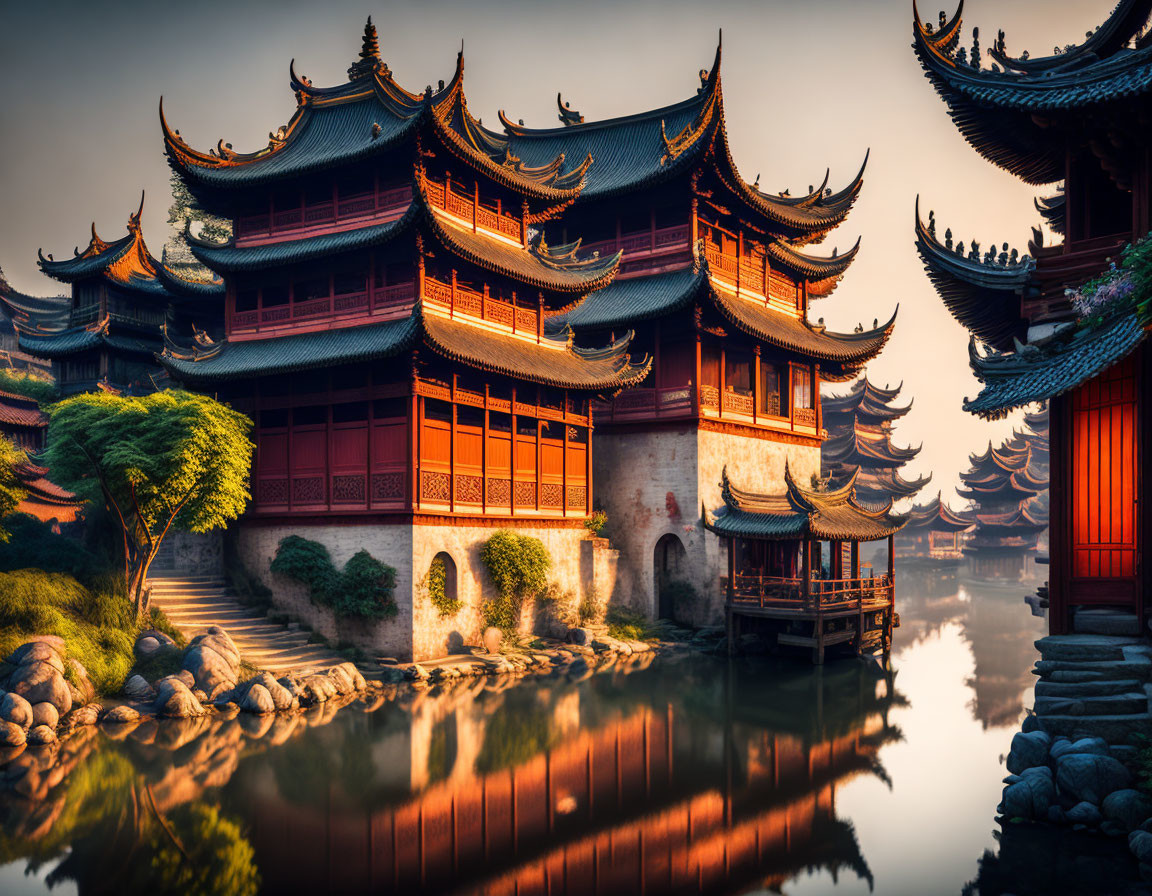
{"points": [[193, 603], [1094, 685]]}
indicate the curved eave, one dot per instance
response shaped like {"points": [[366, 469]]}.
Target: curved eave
{"points": [[557, 363], [822, 271], [233, 259], [625, 303], [182, 286], [1054, 210], [847, 351], [92, 261], [994, 110], [985, 299], [1037, 373]]}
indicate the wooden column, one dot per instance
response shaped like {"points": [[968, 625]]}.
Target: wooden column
{"points": [[512, 462], [484, 456], [588, 463], [756, 396], [855, 560], [564, 460], [697, 384], [731, 595], [806, 572], [816, 398], [656, 365], [539, 466], [723, 370]]}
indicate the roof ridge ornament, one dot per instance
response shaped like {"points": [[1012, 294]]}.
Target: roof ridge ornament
{"points": [[369, 62], [568, 115]]}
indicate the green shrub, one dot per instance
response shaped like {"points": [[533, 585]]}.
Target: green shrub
{"points": [[437, 583], [364, 589], [518, 566], [628, 625], [29, 385], [596, 522], [33, 545], [34, 602], [307, 562]]}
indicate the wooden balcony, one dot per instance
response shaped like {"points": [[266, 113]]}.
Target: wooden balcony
{"points": [[378, 300], [472, 210], [1066, 267], [646, 250], [823, 596], [461, 300], [320, 217]]}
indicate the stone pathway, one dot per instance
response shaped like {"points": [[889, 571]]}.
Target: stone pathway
{"points": [[1094, 685], [193, 604]]}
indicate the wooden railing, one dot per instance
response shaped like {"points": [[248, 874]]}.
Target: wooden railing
{"points": [[633, 403], [271, 223], [772, 592], [744, 273], [466, 208], [375, 299], [1065, 266], [461, 300], [643, 242]]}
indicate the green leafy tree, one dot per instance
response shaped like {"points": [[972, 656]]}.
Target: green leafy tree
{"points": [[12, 492], [168, 460], [518, 566]]}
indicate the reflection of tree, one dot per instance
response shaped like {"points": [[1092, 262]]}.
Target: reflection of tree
{"points": [[442, 750]]}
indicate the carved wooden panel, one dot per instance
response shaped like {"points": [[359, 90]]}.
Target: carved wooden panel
{"points": [[577, 496], [348, 490], [525, 493], [388, 486], [272, 491], [435, 487], [469, 489], [551, 494], [308, 490], [499, 492]]}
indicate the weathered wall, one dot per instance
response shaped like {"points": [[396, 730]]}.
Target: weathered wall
{"points": [[392, 544], [191, 554], [652, 484]]}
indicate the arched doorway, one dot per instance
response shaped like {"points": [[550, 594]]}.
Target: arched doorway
{"points": [[442, 584], [669, 565]]}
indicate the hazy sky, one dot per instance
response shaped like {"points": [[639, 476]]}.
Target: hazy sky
{"points": [[807, 85]]}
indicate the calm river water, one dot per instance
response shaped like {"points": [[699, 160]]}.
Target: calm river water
{"points": [[688, 775]]}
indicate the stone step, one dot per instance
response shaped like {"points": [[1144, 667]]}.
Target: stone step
{"points": [[1097, 621], [1135, 666], [1076, 690], [1130, 703], [1116, 729], [1084, 648]]}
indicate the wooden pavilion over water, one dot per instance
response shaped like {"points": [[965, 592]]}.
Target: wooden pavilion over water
{"points": [[777, 574]]}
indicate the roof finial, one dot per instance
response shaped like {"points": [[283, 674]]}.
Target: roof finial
{"points": [[568, 115], [369, 60], [134, 219]]}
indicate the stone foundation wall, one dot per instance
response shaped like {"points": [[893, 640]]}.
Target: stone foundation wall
{"points": [[418, 631], [391, 544], [652, 485]]}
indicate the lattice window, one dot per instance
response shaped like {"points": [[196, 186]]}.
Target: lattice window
{"points": [[469, 489], [272, 491], [577, 496], [387, 486], [551, 495], [348, 490], [435, 487], [499, 491], [308, 491], [525, 494]]}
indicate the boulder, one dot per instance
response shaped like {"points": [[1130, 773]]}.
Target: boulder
{"points": [[292, 686], [281, 698], [41, 736], [1029, 750], [181, 705], [83, 684], [187, 677], [156, 635], [137, 688], [1087, 776], [493, 638], [258, 700], [1128, 808], [318, 688], [17, 710], [1084, 813], [39, 650], [11, 735], [145, 646], [208, 667], [120, 714], [1057, 815], [358, 683], [41, 682], [341, 680], [46, 714], [219, 640], [1140, 843], [83, 715], [1030, 723], [1095, 746], [1029, 798]]}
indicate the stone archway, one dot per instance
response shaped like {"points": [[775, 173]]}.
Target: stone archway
{"points": [[443, 568], [669, 564]]}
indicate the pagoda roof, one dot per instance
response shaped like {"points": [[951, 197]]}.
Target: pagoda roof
{"points": [[552, 362], [1054, 210], [635, 151], [866, 400], [20, 410], [1066, 359], [983, 296], [878, 486], [34, 312], [1006, 458], [628, 301], [44, 500], [366, 116], [937, 516], [799, 513], [1013, 487], [74, 340], [538, 265], [865, 446], [127, 264], [995, 109], [1018, 519]]}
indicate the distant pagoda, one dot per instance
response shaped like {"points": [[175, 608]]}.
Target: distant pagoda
{"points": [[860, 424], [1005, 485], [933, 534], [108, 334]]}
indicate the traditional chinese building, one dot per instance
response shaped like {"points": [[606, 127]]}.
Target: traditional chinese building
{"points": [[18, 306], [1001, 483], [860, 424], [109, 333], [933, 536], [44, 499], [716, 278], [778, 581], [22, 422], [1078, 120], [387, 290]]}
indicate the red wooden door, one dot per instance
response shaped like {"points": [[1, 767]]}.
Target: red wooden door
{"points": [[1104, 488]]}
